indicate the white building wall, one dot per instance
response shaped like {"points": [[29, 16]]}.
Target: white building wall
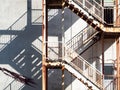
{"points": [[11, 11], [110, 50]]}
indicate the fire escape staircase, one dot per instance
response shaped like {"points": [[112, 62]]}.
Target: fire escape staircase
{"points": [[92, 13], [75, 61], [84, 39], [94, 8], [82, 15], [78, 66]]}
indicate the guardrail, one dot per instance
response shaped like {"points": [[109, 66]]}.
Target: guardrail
{"points": [[80, 38], [96, 9], [59, 51], [84, 67]]}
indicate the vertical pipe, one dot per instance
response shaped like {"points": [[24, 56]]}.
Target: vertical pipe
{"points": [[102, 53], [44, 45], [63, 69], [118, 64], [103, 57], [117, 13]]}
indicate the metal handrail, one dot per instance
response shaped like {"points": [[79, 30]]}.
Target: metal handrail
{"points": [[86, 4], [76, 61], [84, 67], [79, 39], [97, 10]]}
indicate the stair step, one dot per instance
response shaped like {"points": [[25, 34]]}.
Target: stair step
{"points": [[71, 6], [76, 10], [83, 67], [80, 79], [79, 65], [83, 16], [86, 83], [90, 21], [80, 14], [90, 87], [93, 8]]}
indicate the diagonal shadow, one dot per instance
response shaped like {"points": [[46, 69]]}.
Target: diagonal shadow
{"points": [[21, 55]]}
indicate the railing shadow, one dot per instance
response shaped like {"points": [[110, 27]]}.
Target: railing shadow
{"points": [[18, 52]]}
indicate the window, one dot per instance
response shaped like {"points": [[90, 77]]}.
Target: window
{"points": [[109, 71], [108, 16]]}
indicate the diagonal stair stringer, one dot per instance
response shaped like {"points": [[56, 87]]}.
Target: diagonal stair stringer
{"points": [[84, 67], [84, 39], [81, 14]]}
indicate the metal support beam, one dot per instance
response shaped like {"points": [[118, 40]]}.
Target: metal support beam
{"points": [[118, 64], [117, 13], [44, 45]]}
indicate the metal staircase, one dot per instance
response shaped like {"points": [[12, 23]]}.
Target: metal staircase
{"points": [[72, 59], [76, 65], [85, 82], [92, 7], [83, 40], [83, 67], [82, 15]]}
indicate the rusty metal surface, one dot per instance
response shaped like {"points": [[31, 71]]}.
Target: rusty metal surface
{"points": [[53, 4], [44, 46]]}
